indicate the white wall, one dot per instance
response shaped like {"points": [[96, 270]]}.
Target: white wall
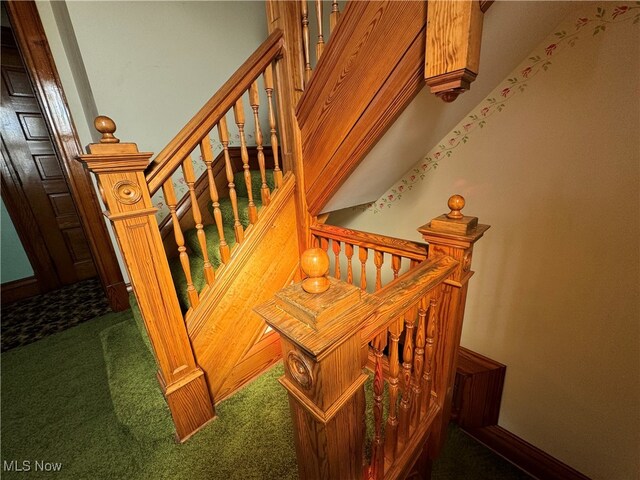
{"points": [[148, 65], [556, 172]]}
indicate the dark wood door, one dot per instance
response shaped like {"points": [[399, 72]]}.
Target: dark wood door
{"points": [[30, 157]]}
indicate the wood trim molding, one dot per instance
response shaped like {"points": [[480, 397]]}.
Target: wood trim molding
{"points": [[11, 292], [524, 455], [31, 38], [477, 395]]}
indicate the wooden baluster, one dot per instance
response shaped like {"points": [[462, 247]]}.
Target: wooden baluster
{"points": [[427, 378], [306, 40], [324, 244], [190, 179], [378, 259], [223, 134], [407, 365], [238, 113], [363, 254], [335, 15], [376, 469], [418, 363], [391, 431], [320, 43], [207, 157], [335, 245], [348, 251], [254, 99], [396, 263], [413, 264], [268, 82], [170, 198]]}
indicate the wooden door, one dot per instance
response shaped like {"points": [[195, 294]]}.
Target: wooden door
{"points": [[29, 156]]}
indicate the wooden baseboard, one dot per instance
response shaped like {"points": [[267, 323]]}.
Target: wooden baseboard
{"points": [[18, 290], [531, 459], [118, 296]]}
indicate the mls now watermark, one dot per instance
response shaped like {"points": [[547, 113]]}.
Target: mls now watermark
{"points": [[30, 466]]}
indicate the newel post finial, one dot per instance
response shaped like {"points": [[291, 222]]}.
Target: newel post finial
{"points": [[106, 127], [314, 262], [456, 204]]}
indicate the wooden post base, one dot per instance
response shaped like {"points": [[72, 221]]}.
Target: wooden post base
{"points": [[189, 403]]}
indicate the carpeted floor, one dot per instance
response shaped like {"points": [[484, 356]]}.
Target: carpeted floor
{"points": [[29, 320], [87, 399]]}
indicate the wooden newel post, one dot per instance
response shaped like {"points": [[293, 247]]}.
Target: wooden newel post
{"points": [[318, 321], [452, 234], [119, 168]]}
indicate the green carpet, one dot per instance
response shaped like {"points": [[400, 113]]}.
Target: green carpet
{"points": [[87, 398]]}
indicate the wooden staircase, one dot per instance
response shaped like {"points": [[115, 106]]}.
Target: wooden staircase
{"points": [[234, 238]]}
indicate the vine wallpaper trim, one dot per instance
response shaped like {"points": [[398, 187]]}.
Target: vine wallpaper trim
{"points": [[593, 23]]}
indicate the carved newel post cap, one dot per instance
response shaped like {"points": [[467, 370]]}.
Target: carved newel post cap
{"points": [[456, 204], [106, 127], [315, 264]]}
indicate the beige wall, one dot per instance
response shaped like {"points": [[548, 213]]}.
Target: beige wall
{"points": [[556, 297]]}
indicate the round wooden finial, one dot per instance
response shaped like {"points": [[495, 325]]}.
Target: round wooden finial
{"points": [[456, 203], [315, 264], [106, 127]]}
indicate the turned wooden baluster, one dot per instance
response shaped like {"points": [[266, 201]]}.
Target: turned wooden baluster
{"points": [[238, 113], [223, 134], [335, 15], [363, 254], [335, 245], [427, 378], [376, 469], [348, 251], [207, 157], [418, 363], [396, 263], [268, 82], [306, 40], [190, 179], [407, 365], [378, 259], [320, 43], [391, 431], [254, 99], [170, 197], [324, 244]]}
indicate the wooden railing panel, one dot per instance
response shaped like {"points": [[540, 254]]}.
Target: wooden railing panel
{"points": [[368, 94]]}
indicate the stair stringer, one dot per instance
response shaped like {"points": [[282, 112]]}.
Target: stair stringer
{"points": [[223, 328], [371, 69]]}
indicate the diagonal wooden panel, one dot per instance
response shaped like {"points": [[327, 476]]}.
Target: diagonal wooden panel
{"points": [[224, 328], [369, 71]]}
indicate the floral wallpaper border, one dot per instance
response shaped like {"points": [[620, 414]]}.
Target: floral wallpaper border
{"points": [[600, 18]]}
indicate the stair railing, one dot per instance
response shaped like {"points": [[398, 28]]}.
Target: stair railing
{"points": [[412, 326], [127, 181]]}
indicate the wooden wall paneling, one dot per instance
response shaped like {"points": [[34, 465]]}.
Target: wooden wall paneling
{"points": [[34, 47], [339, 95], [478, 389], [218, 342]]}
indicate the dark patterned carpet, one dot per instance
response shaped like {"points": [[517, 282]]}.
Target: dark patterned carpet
{"points": [[29, 320]]}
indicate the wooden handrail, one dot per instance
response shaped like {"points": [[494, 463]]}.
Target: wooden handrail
{"points": [[382, 243], [172, 156], [405, 291]]}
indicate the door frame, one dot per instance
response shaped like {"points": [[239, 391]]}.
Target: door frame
{"points": [[36, 54]]}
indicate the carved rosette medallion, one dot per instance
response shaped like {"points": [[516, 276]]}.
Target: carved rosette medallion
{"points": [[127, 192], [299, 370], [466, 262]]}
